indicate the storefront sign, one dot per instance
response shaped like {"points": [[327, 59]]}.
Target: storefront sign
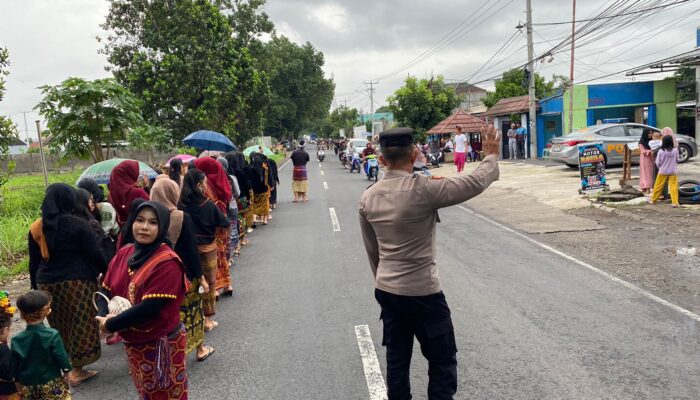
{"points": [[591, 164]]}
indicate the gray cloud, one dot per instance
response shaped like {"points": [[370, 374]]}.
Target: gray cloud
{"points": [[362, 39]]}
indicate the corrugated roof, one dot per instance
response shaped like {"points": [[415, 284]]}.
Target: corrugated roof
{"points": [[468, 122], [511, 105]]}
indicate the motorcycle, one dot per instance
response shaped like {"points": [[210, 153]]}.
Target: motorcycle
{"points": [[355, 163], [321, 155], [372, 167], [434, 157]]}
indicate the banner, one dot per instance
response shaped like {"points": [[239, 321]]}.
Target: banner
{"points": [[591, 165]]}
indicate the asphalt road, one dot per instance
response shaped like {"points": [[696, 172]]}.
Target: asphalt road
{"points": [[530, 324]]}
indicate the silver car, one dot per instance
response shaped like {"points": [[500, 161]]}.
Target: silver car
{"points": [[614, 137]]}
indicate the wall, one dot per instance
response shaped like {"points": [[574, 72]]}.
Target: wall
{"points": [[580, 107], [665, 100]]}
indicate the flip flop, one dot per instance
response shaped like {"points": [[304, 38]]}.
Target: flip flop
{"points": [[86, 375], [213, 326], [210, 351]]}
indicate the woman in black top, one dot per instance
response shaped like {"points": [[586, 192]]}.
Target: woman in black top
{"points": [[65, 259], [236, 164], [206, 217]]}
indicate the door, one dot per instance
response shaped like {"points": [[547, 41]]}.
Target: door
{"points": [[505, 126]]}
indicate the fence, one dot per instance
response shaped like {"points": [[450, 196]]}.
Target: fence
{"points": [[31, 163]]}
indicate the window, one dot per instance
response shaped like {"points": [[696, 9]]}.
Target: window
{"points": [[550, 125], [613, 131], [635, 130]]}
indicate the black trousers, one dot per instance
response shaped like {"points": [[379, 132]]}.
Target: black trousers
{"points": [[428, 319], [521, 147]]}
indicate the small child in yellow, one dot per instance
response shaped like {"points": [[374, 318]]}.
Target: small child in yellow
{"points": [[667, 161], [38, 355]]}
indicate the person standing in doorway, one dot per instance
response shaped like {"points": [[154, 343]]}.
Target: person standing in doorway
{"points": [[399, 237], [460, 149], [520, 141], [512, 142], [300, 183]]}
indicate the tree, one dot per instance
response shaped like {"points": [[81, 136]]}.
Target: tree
{"points": [[383, 109], [87, 118], [685, 81], [421, 104], [8, 130], [513, 84], [184, 59], [300, 93]]}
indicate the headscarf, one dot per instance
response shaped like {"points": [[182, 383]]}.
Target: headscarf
{"points": [[59, 200], [236, 163], [142, 252], [126, 234], [89, 184], [224, 163], [668, 131], [122, 188], [217, 181], [166, 192], [644, 140]]}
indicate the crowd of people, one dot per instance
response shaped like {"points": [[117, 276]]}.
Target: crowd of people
{"points": [[144, 265]]}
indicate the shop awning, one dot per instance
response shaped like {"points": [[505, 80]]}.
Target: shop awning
{"points": [[468, 122], [670, 64]]}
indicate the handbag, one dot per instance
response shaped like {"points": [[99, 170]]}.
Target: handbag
{"points": [[116, 305]]}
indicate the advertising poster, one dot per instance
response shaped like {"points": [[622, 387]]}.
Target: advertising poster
{"points": [[591, 164]]}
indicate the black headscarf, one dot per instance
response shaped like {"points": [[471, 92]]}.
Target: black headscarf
{"points": [[127, 235], [59, 200], [142, 252], [89, 184], [645, 139], [236, 163]]}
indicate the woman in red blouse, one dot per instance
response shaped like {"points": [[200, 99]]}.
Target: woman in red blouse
{"points": [[151, 276]]}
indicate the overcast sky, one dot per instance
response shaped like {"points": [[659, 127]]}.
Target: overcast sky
{"points": [[50, 40]]}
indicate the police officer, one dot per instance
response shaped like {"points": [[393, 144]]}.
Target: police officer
{"points": [[398, 216]]}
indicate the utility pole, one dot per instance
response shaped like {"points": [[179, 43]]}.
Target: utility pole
{"points": [[26, 129], [531, 89], [41, 153], [571, 73], [371, 100]]}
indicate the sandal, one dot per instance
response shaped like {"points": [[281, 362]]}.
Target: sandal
{"points": [[213, 326], [83, 377], [210, 350]]}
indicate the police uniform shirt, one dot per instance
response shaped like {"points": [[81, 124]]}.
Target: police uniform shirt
{"points": [[398, 216]]}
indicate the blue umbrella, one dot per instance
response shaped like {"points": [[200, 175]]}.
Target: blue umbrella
{"points": [[209, 140]]}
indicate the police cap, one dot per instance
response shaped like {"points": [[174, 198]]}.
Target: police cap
{"points": [[396, 137]]}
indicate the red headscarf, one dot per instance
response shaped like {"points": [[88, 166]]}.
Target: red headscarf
{"points": [[123, 190], [217, 180]]}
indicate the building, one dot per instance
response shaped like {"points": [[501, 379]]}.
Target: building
{"points": [[550, 120], [17, 146], [469, 95], [652, 103], [506, 112]]}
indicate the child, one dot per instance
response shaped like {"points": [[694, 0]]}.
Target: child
{"points": [[667, 161], [38, 355], [8, 390]]}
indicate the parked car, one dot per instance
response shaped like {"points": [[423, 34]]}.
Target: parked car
{"points": [[614, 137]]}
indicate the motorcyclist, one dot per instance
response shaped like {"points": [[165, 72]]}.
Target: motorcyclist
{"points": [[369, 150]]}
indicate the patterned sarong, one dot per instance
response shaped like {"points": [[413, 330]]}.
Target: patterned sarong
{"points": [[192, 316], [223, 273], [73, 316], [261, 204], [158, 368], [209, 273], [56, 389], [299, 173]]}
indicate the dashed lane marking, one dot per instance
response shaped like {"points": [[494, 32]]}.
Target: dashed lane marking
{"points": [[334, 220], [373, 374], [325, 185], [609, 276], [322, 172]]}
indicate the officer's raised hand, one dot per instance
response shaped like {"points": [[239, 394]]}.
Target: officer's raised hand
{"points": [[491, 140]]}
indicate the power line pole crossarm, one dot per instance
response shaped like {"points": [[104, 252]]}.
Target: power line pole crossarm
{"points": [[531, 89]]}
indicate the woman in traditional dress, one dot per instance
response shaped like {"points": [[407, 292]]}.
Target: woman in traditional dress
{"points": [[300, 185], [261, 189], [207, 218], [218, 190], [178, 170], [181, 235], [274, 181], [646, 162], [236, 162], [151, 276], [232, 212], [124, 187], [65, 259]]}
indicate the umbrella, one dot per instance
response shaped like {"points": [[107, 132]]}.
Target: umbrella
{"points": [[184, 157], [256, 149], [101, 171], [209, 140]]}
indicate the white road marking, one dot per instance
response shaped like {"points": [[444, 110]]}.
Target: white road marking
{"points": [[322, 172], [325, 185], [334, 220], [373, 374], [607, 275], [285, 164]]}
